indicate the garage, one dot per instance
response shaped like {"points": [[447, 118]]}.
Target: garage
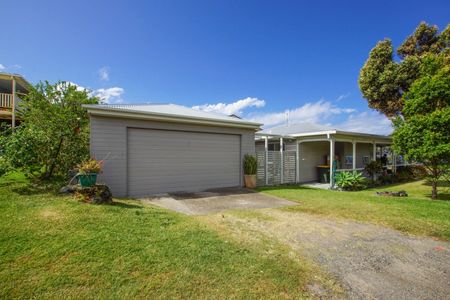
{"points": [[160, 148], [162, 161]]}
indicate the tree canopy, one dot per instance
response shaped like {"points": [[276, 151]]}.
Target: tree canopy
{"points": [[54, 133], [384, 80], [413, 90], [423, 134]]}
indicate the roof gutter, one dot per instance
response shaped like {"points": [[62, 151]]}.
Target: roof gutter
{"points": [[368, 135], [328, 134], [132, 114]]}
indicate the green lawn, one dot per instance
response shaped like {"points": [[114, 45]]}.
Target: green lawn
{"points": [[416, 214], [54, 247]]}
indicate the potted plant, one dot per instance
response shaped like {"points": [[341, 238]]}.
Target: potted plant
{"points": [[250, 166], [88, 171]]}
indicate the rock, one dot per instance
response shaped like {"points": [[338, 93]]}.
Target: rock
{"points": [[393, 194], [69, 189], [97, 194]]}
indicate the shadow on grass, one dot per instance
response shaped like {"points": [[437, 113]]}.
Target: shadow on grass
{"points": [[126, 205], [443, 187], [38, 187], [440, 183], [287, 187]]}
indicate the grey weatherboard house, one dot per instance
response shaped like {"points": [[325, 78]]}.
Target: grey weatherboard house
{"points": [[157, 148]]}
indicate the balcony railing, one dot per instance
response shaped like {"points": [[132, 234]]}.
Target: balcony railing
{"points": [[6, 100]]}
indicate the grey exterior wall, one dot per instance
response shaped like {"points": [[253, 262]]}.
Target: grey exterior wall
{"points": [[109, 142], [311, 155]]}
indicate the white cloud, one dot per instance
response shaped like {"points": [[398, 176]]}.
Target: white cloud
{"points": [[79, 87], [367, 122], [12, 67], [236, 107], [316, 112], [109, 95], [342, 97], [103, 73]]}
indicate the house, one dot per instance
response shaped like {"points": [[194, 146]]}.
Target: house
{"points": [[12, 88], [158, 148], [304, 152]]}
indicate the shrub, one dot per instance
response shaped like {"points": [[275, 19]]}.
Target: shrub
{"points": [[348, 181], [418, 171], [4, 166], [250, 164], [406, 173], [374, 168], [54, 133]]}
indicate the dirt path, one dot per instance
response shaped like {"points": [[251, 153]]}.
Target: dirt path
{"points": [[371, 262]]}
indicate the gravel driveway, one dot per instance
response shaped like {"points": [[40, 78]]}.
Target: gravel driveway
{"points": [[216, 200], [371, 262]]}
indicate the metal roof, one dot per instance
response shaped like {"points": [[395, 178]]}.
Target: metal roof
{"points": [[170, 110], [308, 129], [21, 81], [298, 128]]}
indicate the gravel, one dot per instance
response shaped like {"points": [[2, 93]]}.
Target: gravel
{"points": [[370, 261]]}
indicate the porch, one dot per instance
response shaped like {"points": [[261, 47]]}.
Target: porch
{"points": [[308, 158], [12, 87]]}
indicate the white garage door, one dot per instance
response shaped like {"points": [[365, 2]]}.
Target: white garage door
{"points": [[162, 161]]}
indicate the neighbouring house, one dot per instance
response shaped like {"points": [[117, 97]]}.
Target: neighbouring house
{"points": [[12, 88], [304, 152], [158, 148]]}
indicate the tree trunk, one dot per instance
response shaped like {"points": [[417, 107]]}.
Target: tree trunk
{"points": [[52, 166], [434, 190], [435, 175]]}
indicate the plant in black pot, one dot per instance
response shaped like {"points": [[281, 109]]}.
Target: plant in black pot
{"points": [[250, 166], [88, 171]]}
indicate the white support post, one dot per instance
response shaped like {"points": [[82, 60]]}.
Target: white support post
{"points": [[13, 118], [394, 161], [331, 163], [297, 161], [374, 158], [281, 161], [266, 157], [354, 156]]}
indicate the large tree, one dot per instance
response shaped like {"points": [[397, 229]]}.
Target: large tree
{"points": [[54, 134], [413, 90], [384, 78], [423, 133]]}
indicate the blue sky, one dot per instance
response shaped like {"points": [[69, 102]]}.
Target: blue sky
{"points": [[274, 56]]}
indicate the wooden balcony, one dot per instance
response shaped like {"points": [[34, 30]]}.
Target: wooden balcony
{"points": [[6, 101]]}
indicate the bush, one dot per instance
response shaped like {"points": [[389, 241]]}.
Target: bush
{"points": [[54, 133], [349, 181], [374, 168], [412, 172], [250, 164], [4, 166]]}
